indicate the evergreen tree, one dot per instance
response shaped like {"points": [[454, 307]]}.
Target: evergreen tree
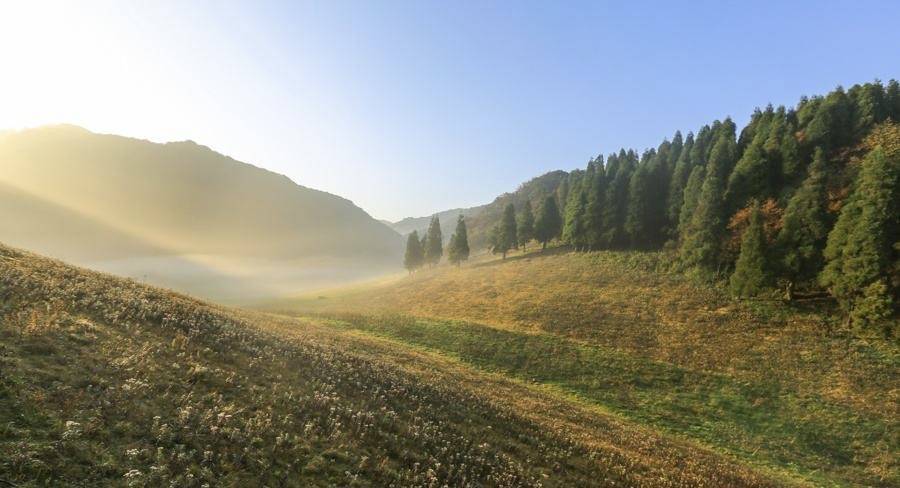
{"points": [[691, 195], [615, 207], [702, 245], [596, 196], [413, 257], [562, 192], [645, 219], [506, 236], [434, 245], [790, 156], [869, 107], [751, 273], [459, 243], [751, 176], [525, 231], [831, 126], [548, 224], [574, 229], [638, 206], [892, 100], [861, 252], [680, 174], [805, 225]]}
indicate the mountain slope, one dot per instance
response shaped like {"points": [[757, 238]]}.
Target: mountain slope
{"points": [[108, 382], [176, 199], [782, 386], [480, 219]]}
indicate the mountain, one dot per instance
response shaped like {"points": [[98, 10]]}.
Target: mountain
{"points": [[447, 219], [480, 219], [180, 214]]}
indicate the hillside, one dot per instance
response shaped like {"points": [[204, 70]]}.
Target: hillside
{"points": [[109, 382], [139, 208], [447, 219], [787, 388], [480, 219]]}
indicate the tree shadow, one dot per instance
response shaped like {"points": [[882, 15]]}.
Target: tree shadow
{"points": [[535, 254]]}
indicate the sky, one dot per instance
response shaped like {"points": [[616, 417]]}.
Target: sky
{"points": [[409, 108]]}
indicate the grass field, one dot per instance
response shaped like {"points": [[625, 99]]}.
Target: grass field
{"points": [[108, 382], [784, 389]]}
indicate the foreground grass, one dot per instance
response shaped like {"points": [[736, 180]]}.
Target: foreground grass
{"points": [[107, 382], [771, 385]]}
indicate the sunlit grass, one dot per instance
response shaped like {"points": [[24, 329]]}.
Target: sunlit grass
{"points": [[778, 386], [108, 382]]}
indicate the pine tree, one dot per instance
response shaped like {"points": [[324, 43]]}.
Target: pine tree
{"points": [[691, 195], [434, 245], [805, 225], [413, 257], [574, 229], [869, 107], [701, 246], [458, 249], [548, 224], [861, 250], [751, 176], [593, 219], [562, 192], [616, 204], [638, 206], [831, 126], [525, 231], [677, 184], [751, 273], [506, 237], [892, 100], [645, 218]]}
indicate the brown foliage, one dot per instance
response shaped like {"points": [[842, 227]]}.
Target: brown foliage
{"points": [[771, 214]]}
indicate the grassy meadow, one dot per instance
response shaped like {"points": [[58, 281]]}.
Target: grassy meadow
{"points": [[784, 389], [109, 382]]}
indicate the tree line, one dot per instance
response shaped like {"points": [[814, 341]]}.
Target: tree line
{"points": [[429, 249], [804, 199]]}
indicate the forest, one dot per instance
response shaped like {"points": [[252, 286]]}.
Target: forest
{"points": [[802, 202]]}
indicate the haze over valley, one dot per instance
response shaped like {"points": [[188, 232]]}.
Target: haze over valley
{"points": [[181, 215], [449, 245]]}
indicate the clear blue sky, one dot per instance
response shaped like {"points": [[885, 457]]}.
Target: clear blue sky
{"points": [[408, 108]]}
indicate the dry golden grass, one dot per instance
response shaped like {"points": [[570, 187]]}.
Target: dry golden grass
{"points": [[107, 382], [758, 379]]}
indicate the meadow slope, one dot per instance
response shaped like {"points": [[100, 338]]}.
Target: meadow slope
{"points": [[785, 388], [109, 382]]}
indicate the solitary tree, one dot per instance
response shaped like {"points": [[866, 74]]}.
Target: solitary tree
{"points": [[751, 273], [434, 245], [548, 223], [459, 243], [413, 258], [525, 231]]}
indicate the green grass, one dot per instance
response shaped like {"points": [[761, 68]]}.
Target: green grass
{"points": [[783, 386], [757, 421]]}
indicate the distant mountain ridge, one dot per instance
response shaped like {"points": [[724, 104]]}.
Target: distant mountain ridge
{"points": [[480, 219], [64, 191]]}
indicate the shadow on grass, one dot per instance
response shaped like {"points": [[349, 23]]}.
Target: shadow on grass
{"points": [[535, 254]]}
